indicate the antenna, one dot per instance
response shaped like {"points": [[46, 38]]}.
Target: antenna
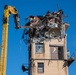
{"points": [[58, 6]]}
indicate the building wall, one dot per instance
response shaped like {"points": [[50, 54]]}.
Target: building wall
{"points": [[47, 45], [51, 66]]}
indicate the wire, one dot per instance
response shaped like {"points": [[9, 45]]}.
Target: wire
{"points": [[57, 5]]}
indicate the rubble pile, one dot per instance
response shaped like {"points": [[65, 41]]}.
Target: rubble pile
{"points": [[49, 26]]}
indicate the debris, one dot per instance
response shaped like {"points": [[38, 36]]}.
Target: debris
{"points": [[43, 26]]}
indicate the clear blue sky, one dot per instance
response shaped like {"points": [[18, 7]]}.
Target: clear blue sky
{"points": [[17, 49]]}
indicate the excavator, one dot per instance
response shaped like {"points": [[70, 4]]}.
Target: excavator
{"points": [[8, 10]]}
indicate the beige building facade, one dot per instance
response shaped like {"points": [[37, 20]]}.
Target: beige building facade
{"points": [[48, 54], [49, 57]]}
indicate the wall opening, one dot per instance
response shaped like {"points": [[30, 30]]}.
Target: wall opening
{"points": [[57, 52], [40, 67], [39, 47]]}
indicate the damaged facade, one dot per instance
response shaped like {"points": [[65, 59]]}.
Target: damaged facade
{"points": [[47, 45], [45, 27]]}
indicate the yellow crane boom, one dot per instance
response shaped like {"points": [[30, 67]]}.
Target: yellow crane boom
{"points": [[7, 11]]}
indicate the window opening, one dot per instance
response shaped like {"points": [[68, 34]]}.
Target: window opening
{"points": [[40, 67], [57, 53], [39, 47], [60, 53]]}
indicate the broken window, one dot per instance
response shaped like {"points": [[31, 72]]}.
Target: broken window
{"points": [[57, 53], [60, 53], [54, 53], [40, 67], [39, 47]]}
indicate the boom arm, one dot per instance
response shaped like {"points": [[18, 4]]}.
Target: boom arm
{"points": [[7, 11]]}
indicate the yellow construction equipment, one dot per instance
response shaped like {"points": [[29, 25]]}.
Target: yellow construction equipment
{"points": [[7, 11]]}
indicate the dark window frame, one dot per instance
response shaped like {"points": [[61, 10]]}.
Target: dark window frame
{"points": [[40, 67]]}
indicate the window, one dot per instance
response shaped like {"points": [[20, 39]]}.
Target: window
{"points": [[39, 47], [57, 52], [40, 67], [60, 53]]}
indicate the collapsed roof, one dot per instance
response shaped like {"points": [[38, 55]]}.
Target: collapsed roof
{"points": [[46, 27]]}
